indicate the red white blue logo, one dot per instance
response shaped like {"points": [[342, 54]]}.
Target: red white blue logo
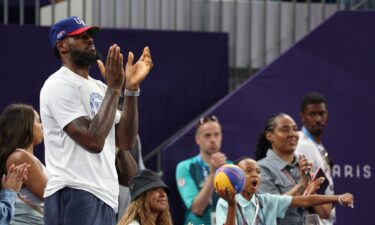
{"points": [[60, 34]]}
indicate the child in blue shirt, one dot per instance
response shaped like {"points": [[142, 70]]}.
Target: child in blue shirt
{"points": [[248, 208]]}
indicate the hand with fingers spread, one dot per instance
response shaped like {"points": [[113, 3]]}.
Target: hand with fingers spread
{"points": [[136, 73], [113, 71], [15, 177]]}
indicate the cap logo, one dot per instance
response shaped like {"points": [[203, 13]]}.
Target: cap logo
{"points": [[60, 34], [79, 21]]}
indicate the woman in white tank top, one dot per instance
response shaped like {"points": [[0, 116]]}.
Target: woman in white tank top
{"points": [[20, 131]]}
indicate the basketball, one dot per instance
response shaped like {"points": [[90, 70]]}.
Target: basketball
{"points": [[231, 177]]}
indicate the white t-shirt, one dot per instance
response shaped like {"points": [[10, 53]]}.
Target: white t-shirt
{"points": [[311, 150], [65, 97]]}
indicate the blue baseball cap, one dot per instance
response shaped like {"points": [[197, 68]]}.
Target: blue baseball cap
{"points": [[69, 27]]}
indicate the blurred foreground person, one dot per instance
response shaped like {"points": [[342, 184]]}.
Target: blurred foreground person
{"points": [[10, 186], [195, 176]]}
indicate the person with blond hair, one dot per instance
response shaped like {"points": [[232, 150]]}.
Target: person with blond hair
{"points": [[149, 201]]}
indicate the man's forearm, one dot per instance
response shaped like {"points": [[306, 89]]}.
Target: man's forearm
{"points": [[312, 200], [203, 198], [127, 129], [126, 167], [103, 120], [91, 134], [296, 190], [126, 135]]}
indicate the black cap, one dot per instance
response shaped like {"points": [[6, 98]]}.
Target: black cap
{"points": [[143, 181]]}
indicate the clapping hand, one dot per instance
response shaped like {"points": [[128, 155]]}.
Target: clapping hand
{"points": [[114, 74], [15, 177], [136, 73], [113, 71], [217, 159]]}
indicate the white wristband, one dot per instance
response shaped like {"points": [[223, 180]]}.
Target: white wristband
{"points": [[340, 200], [132, 93]]}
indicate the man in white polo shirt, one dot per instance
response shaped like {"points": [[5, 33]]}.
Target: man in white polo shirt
{"points": [[314, 116]]}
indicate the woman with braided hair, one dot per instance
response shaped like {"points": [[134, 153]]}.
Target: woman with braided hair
{"points": [[282, 171]]}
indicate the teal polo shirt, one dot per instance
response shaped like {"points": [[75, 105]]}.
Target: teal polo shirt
{"points": [[190, 177]]}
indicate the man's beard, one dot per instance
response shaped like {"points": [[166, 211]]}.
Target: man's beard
{"points": [[83, 59], [317, 132]]}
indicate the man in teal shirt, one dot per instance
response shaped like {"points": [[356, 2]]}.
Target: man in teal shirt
{"points": [[195, 175]]}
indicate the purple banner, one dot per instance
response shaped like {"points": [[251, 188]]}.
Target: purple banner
{"points": [[336, 60]]}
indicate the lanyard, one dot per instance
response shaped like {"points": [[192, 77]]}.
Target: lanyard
{"points": [[290, 178], [203, 167], [255, 218], [205, 171]]}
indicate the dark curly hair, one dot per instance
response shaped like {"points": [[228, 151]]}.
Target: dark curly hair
{"points": [[311, 98]]}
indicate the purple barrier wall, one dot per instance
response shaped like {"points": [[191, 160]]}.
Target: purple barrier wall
{"points": [[337, 60], [190, 73], [14, 11]]}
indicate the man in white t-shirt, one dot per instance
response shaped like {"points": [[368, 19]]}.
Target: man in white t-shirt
{"points": [[314, 116], [82, 126]]}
